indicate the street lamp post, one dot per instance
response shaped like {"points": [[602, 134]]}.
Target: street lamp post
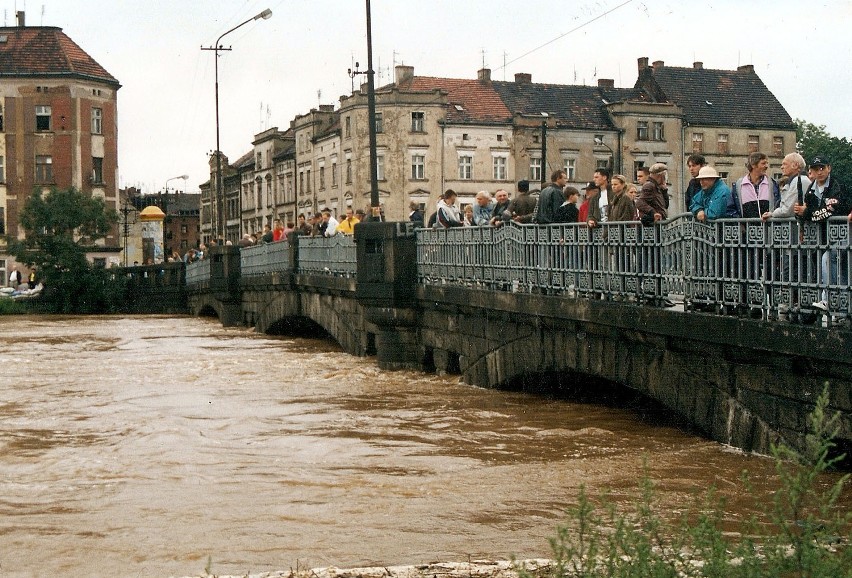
{"points": [[613, 161], [217, 216]]}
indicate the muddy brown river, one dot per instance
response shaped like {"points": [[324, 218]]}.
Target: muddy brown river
{"points": [[146, 446]]}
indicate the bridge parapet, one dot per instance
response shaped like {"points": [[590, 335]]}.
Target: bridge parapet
{"points": [[724, 264]]}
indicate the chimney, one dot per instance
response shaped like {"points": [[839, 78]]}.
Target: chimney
{"points": [[698, 65], [643, 63], [746, 68], [403, 73], [658, 64], [484, 75], [22, 21], [523, 78], [606, 83]]}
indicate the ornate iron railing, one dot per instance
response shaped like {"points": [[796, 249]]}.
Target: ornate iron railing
{"points": [[328, 255], [198, 272], [726, 264], [265, 259]]}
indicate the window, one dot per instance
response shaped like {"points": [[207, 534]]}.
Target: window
{"points": [[536, 138], [301, 183], [601, 164], [778, 146], [465, 167], [348, 171], [636, 166], [308, 180], [380, 123], [698, 143], [347, 126], [322, 178], [380, 167], [642, 130], [43, 169], [184, 229], [659, 132], [2, 169], [1, 118], [258, 164], [97, 121], [417, 121], [753, 143], [42, 118], [418, 167], [570, 169], [724, 175], [499, 166], [333, 174], [722, 144], [97, 170], [535, 170]]}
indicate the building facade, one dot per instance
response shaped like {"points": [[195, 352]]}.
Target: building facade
{"points": [[58, 127], [468, 135]]}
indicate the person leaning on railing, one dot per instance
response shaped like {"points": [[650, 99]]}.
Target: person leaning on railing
{"points": [[711, 200], [825, 198]]}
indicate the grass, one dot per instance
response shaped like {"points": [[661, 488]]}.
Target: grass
{"points": [[802, 533]]}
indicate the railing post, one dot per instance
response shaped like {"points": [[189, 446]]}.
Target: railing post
{"points": [[386, 288]]}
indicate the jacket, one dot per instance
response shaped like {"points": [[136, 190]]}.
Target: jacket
{"points": [[447, 216], [549, 201], [713, 202], [836, 201], [621, 208], [653, 199], [751, 209]]}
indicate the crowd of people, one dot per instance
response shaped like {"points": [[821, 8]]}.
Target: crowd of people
{"points": [[806, 191]]}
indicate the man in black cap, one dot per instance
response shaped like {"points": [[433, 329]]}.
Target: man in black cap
{"points": [[826, 197], [523, 205]]}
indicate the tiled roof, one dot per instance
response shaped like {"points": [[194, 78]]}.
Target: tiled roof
{"points": [[735, 98], [45, 51], [573, 106], [469, 100]]}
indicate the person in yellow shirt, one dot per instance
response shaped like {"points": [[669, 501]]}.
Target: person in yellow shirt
{"points": [[347, 225]]}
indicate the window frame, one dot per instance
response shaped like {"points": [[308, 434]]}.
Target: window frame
{"points": [[465, 167], [98, 170], [418, 121], [44, 169], [44, 116], [97, 120], [418, 166], [642, 130]]}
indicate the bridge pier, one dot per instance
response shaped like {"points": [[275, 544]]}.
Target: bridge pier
{"points": [[387, 281]]}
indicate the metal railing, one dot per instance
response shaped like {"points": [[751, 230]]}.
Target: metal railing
{"points": [[265, 259], [198, 272], [328, 255], [727, 264]]}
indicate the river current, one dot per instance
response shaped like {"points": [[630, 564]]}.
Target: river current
{"points": [[157, 446]]}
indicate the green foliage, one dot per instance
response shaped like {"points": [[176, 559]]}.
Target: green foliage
{"points": [[806, 534], [812, 140], [60, 226], [12, 307]]}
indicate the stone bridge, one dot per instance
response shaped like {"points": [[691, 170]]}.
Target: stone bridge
{"points": [[742, 381]]}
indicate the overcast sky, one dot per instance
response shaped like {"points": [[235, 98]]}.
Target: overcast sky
{"points": [[286, 65]]}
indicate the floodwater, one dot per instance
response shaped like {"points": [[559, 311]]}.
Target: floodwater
{"points": [[158, 446]]}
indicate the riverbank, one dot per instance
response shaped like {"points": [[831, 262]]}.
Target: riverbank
{"points": [[472, 569]]}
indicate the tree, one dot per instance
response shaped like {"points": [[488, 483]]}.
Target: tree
{"points": [[813, 140], [60, 226]]}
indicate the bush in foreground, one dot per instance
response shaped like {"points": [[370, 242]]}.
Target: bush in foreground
{"points": [[804, 533]]}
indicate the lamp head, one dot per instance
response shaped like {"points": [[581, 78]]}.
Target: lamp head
{"points": [[266, 14]]}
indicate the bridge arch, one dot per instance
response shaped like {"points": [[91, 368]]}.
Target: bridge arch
{"points": [[338, 316]]}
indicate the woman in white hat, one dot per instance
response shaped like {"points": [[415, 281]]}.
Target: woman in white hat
{"points": [[711, 201]]}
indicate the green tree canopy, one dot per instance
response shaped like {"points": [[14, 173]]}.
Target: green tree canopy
{"points": [[812, 140], [60, 227]]}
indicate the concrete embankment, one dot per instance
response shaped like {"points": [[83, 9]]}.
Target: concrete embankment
{"points": [[472, 569]]}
